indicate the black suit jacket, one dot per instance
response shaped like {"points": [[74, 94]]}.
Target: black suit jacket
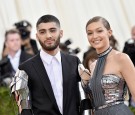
{"points": [[43, 100], [33, 45], [6, 66], [129, 49]]}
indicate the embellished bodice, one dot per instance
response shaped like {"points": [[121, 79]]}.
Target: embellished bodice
{"points": [[106, 91], [114, 88]]}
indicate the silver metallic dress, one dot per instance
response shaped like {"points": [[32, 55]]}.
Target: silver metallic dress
{"points": [[107, 91]]}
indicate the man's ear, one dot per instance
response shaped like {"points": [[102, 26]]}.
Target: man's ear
{"points": [[6, 45], [61, 33]]}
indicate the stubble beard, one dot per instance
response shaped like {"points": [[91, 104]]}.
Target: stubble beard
{"points": [[50, 48]]}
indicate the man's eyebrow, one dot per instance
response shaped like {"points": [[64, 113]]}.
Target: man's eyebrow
{"points": [[52, 28], [49, 29], [42, 30]]}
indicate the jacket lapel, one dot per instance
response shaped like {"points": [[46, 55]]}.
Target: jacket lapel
{"points": [[9, 65], [66, 75], [22, 58], [40, 69]]}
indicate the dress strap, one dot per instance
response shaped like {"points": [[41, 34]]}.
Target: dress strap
{"points": [[95, 82]]}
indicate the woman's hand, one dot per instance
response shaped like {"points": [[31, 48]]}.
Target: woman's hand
{"points": [[84, 73]]}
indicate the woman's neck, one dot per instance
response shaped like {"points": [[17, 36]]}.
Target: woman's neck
{"points": [[106, 51]]}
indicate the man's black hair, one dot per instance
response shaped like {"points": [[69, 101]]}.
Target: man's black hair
{"points": [[48, 18]]}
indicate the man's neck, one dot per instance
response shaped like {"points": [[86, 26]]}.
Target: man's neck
{"points": [[13, 53], [54, 52]]}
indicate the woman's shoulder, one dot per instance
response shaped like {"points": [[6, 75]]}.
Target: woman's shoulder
{"points": [[120, 57]]}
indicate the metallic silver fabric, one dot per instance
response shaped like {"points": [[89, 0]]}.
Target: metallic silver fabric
{"points": [[20, 89], [106, 90], [82, 93], [83, 98], [113, 88]]}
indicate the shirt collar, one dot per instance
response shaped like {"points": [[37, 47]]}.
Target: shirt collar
{"points": [[58, 56], [16, 55], [47, 58]]}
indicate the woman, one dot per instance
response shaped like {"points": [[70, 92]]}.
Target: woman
{"points": [[111, 72]]}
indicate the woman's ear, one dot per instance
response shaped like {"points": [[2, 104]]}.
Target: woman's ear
{"points": [[110, 33]]}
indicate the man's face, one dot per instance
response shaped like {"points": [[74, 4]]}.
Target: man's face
{"points": [[48, 35], [13, 42]]}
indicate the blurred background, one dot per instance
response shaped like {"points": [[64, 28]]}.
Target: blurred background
{"points": [[73, 15]]}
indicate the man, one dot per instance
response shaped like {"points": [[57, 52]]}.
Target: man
{"points": [[10, 63], [52, 75], [129, 49], [29, 45]]}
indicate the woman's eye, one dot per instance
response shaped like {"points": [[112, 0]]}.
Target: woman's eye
{"points": [[89, 33], [100, 31]]}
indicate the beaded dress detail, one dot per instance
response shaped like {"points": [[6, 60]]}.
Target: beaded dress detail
{"points": [[106, 91]]}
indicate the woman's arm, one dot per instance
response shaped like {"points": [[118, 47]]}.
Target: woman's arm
{"points": [[128, 72], [84, 74]]}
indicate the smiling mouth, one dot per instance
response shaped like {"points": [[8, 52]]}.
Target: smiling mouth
{"points": [[96, 42]]}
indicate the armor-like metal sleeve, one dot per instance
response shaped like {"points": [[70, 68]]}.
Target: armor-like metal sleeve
{"points": [[19, 87]]}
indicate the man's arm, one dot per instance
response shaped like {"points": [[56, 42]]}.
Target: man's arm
{"points": [[26, 112], [21, 92]]}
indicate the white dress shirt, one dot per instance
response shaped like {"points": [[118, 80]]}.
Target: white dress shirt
{"points": [[53, 67], [15, 60]]}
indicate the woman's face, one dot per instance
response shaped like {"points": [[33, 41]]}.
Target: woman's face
{"points": [[98, 36]]}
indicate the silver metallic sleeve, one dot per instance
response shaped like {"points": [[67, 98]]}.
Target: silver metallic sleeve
{"points": [[19, 87], [85, 106]]}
